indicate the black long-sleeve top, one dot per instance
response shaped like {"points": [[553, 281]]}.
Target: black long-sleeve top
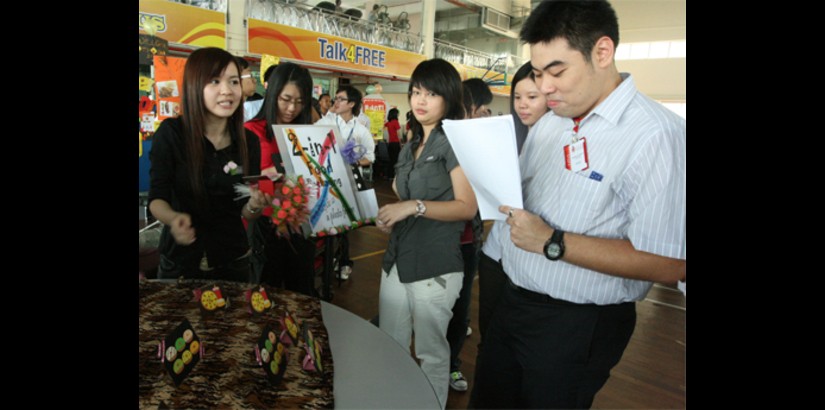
{"points": [[217, 221]]}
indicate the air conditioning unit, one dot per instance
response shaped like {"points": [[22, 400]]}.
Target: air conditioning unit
{"points": [[497, 22]]}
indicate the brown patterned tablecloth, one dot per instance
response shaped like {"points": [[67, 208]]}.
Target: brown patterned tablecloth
{"points": [[228, 375]]}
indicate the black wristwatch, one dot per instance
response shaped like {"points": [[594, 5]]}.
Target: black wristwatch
{"points": [[554, 247]]}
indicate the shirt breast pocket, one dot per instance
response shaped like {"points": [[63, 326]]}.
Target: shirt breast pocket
{"points": [[439, 184], [586, 203]]}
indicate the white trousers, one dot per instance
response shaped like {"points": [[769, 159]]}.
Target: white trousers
{"points": [[424, 307]]}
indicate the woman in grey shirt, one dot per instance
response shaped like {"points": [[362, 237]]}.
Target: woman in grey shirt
{"points": [[423, 268]]}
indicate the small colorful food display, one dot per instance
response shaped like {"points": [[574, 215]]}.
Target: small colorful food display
{"points": [[258, 299], [271, 355], [180, 351]]}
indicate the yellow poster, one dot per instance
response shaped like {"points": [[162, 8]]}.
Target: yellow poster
{"points": [[266, 62], [376, 109]]}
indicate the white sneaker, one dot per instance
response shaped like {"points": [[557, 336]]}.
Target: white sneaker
{"points": [[345, 272], [469, 330], [458, 382]]}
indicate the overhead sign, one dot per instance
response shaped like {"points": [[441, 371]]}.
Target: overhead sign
{"points": [[318, 48], [182, 23]]}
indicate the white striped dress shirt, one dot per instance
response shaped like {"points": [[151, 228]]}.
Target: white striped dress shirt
{"points": [[636, 147]]}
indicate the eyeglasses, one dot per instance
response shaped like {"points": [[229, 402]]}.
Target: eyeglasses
{"points": [[248, 76], [287, 102], [341, 99]]}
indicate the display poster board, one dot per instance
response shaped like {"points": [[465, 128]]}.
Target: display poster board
{"points": [[376, 109], [168, 85], [314, 152]]}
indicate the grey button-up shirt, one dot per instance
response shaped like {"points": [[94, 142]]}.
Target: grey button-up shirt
{"points": [[421, 247]]}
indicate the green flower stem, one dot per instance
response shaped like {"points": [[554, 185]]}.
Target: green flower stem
{"points": [[347, 208]]}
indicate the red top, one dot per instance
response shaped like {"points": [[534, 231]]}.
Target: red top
{"points": [[392, 128], [467, 235], [267, 149]]}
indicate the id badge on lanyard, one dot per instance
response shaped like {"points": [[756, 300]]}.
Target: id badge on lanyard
{"points": [[575, 153]]}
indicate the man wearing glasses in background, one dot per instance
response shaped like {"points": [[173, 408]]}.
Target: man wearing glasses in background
{"points": [[344, 112], [252, 100]]}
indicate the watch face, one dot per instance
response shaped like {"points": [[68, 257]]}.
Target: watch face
{"points": [[553, 250]]}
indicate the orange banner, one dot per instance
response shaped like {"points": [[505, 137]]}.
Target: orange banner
{"points": [[183, 24], [168, 85], [330, 51]]}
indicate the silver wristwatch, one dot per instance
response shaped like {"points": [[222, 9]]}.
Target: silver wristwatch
{"points": [[420, 208]]}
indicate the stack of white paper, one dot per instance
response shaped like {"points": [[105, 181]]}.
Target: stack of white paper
{"points": [[486, 149]]}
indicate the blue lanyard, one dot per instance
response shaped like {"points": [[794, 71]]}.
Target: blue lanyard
{"points": [[345, 123]]}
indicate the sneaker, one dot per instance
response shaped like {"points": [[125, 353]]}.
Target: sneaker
{"points": [[469, 330], [345, 272], [457, 381]]}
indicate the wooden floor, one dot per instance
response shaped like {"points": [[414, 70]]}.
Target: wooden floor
{"points": [[651, 374]]}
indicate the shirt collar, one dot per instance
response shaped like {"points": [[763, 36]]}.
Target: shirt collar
{"points": [[612, 108], [340, 118]]}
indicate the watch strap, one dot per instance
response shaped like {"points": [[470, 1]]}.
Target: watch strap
{"points": [[556, 238]]}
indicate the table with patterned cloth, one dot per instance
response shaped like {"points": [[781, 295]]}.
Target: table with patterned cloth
{"points": [[228, 375]]}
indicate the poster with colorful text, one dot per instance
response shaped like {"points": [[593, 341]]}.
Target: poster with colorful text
{"points": [[376, 109], [313, 152]]}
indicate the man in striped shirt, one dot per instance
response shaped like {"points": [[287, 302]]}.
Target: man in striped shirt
{"points": [[603, 176]]}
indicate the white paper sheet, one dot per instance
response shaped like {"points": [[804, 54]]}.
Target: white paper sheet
{"points": [[367, 203], [486, 149]]}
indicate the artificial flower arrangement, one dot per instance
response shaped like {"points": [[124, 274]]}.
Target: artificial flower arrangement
{"points": [[344, 228], [289, 204], [352, 151], [230, 168]]}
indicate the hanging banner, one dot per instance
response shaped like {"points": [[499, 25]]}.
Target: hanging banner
{"points": [[168, 85], [466, 72], [330, 51], [376, 109], [182, 23]]}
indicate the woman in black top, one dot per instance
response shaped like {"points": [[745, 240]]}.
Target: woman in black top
{"points": [[423, 268], [196, 161]]}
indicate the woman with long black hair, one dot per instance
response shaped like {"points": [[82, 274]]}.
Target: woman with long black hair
{"points": [[197, 159], [287, 259]]}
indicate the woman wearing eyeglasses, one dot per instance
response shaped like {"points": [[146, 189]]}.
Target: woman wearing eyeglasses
{"points": [[283, 260], [423, 269]]}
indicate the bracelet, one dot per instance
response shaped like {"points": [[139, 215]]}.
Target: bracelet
{"points": [[249, 208]]}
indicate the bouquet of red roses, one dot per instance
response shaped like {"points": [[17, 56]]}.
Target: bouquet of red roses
{"points": [[289, 205]]}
